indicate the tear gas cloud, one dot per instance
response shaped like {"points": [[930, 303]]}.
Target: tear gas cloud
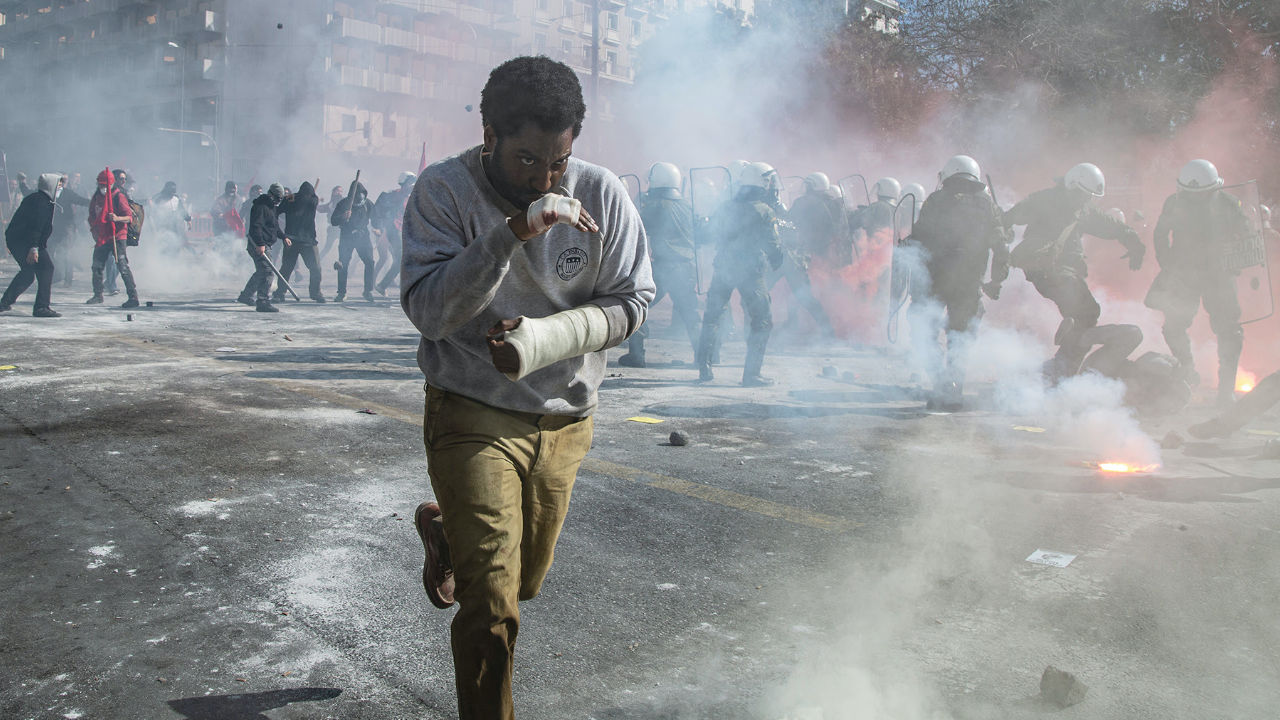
{"points": [[708, 95]]}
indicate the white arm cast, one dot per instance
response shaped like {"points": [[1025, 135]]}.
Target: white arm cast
{"points": [[542, 341]]}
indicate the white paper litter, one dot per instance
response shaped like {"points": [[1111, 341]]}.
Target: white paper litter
{"points": [[1050, 557], [224, 348]]}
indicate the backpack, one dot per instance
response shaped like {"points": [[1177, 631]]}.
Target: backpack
{"points": [[135, 225]]}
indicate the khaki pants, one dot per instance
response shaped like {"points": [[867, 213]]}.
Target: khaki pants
{"points": [[503, 480]]}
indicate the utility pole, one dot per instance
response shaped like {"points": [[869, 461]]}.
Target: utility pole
{"points": [[595, 54], [182, 111]]}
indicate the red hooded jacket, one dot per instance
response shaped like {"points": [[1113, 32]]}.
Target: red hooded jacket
{"points": [[113, 202]]}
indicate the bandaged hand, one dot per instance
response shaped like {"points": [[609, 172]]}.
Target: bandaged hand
{"points": [[520, 346], [552, 209]]}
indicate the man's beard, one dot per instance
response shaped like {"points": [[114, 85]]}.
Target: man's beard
{"points": [[522, 198]]}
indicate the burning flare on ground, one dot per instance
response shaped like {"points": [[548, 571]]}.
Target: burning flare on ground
{"points": [[1245, 381], [1125, 468]]}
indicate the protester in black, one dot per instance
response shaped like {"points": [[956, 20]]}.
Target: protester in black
{"points": [[27, 238], [264, 230], [300, 226], [352, 215]]}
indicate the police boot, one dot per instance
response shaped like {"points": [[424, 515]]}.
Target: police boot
{"points": [[751, 376], [635, 353]]}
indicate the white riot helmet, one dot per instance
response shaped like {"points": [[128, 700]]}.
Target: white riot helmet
{"points": [[664, 180], [664, 175], [887, 189], [406, 178], [1086, 177], [758, 174], [915, 190], [1199, 176], [735, 170], [962, 165], [836, 192], [817, 182]]}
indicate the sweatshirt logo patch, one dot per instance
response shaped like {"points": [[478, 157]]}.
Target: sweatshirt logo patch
{"points": [[571, 262]]}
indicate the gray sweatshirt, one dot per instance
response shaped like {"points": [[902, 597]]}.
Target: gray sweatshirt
{"points": [[464, 270]]}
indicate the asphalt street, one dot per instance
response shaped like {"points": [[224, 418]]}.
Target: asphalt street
{"points": [[205, 513]]}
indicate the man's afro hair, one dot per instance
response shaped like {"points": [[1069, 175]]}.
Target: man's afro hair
{"points": [[535, 90]]}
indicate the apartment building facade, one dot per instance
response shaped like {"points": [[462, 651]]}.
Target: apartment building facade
{"points": [[204, 90]]}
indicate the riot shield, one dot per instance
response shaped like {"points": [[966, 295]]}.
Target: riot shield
{"points": [[1246, 253], [848, 186], [709, 188], [792, 188], [904, 217], [632, 182]]}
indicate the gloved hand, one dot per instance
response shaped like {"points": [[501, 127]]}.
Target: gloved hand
{"points": [[991, 290], [775, 260], [1136, 254], [552, 209]]}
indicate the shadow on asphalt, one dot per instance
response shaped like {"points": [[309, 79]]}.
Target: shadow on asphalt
{"points": [[411, 340], [762, 411], [326, 355], [249, 706], [334, 375]]}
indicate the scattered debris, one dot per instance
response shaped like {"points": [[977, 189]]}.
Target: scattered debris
{"points": [[1172, 441], [224, 348], [1028, 428], [286, 337], [829, 371], [679, 438], [1050, 557], [804, 713], [150, 304], [128, 317], [1061, 687], [645, 420], [366, 411]]}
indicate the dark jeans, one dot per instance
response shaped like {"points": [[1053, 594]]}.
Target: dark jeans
{"points": [[260, 282], [364, 249], [40, 271], [396, 240], [113, 250], [290, 261]]}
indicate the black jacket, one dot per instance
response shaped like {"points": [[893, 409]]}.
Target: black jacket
{"points": [[64, 217], [300, 215], [31, 225], [356, 226], [264, 226], [960, 227]]}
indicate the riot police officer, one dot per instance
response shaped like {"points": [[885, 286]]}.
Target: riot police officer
{"points": [[748, 243], [1051, 255], [959, 229], [1192, 240], [668, 222]]}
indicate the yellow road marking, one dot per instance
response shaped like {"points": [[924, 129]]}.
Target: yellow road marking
{"points": [[700, 491]]}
